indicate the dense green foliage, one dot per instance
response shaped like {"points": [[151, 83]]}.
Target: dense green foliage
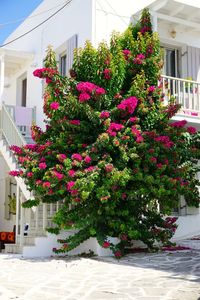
{"points": [[109, 150]]}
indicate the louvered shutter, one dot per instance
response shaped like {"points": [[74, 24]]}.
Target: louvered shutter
{"points": [[193, 63], [72, 43]]}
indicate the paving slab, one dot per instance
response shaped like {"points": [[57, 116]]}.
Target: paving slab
{"points": [[143, 276]]}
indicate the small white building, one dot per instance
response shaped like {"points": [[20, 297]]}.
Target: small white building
{"points": [[66, 25]]}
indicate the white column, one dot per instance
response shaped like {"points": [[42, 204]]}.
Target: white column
{"points": [[36, 218], [21, 221], [154, 21], [17, 214], [2, 76], [44, 223]]}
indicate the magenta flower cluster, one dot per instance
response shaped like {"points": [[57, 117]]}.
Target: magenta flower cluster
{"points": [[165, 140], [113, 128], [128, 104], [126, 53], [87, 89], [104, 115], [138, 60], [179, 124]]}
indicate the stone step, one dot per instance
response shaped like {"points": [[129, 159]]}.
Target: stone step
{"points": [[49, 223], [13, 248], [37, 233], [28, 240]]}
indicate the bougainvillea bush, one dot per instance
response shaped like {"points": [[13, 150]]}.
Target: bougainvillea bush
{"points": [[110, 152]]}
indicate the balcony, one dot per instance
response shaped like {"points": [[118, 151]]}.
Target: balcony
{"points": [[187, 93], [15, 124]]}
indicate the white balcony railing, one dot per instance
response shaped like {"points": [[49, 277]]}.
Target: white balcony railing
{"points": [[9, 129], [186, 92]]}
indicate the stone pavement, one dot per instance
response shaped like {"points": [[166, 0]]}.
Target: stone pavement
{"points": [[156, 276]]}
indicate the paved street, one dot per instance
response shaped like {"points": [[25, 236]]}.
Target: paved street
{"points": [[160, 276]]}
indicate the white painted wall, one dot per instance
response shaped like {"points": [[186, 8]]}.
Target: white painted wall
{"points": [[75, 18], [188, 226], [89, 19], [5, 225], [112, 15]]}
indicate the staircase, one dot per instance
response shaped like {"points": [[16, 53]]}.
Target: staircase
{"points": [[37, 218]]}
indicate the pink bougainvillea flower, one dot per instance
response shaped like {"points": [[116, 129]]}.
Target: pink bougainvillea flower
{"points": [[133, 119], [151, 88], [159, 166], [70, 185], [107, 74], [77, 200], [124, 237], [128, 104], [165, 140], [178, 124], [45, 72], [75, 122], [126, 53], [191, 130], [153, 159], [58, 175], [71, 173], [74, 192], [61, 157], [104, 115], [100, 91], [14, 173], [145, 29], [46, 184], [139, 139], [87, 159], [54, 105], [118, 254], [175, 248], [42, 165], [16, 149], [89, 169], [124, 196], [86, 87], [30, 174], [106, 244], [113, 128], [77, 157], [48, 80], [138, 60], [38, 182], [108, 168], [83, 97]]}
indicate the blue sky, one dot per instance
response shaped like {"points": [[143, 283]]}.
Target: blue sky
{"points": [[11, 10]]}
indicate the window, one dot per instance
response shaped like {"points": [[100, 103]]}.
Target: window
{"points": [[171, 62], [21, 90], [63, 65], [65, 54], [24, 91]]}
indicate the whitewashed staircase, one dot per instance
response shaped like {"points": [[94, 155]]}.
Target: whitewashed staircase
{"points": [[37, 218]]}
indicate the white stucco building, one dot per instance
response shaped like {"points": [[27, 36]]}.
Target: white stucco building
{"points": [[66, 25]]}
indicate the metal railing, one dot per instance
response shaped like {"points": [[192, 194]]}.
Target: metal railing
{"points": [[186, 92]]}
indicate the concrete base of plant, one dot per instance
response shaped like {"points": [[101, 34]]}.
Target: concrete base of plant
{"points": [[44, 245]]}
